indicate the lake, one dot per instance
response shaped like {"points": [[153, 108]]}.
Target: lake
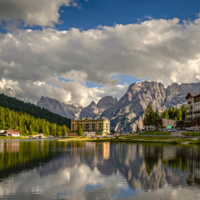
{"points": [[47, 169]]}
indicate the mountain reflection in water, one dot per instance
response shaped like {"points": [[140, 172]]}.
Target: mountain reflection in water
{"points": [[54, 170]]}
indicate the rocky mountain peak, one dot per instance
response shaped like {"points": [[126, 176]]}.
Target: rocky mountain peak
{"points": [[94, 109], [92, 103], [66, 110], [107, 102]]}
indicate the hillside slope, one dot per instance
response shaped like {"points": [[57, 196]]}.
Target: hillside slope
{"points": [[33, 110]]}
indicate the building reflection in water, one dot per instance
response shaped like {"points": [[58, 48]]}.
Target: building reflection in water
{"points": [[12, 146], [1, 146], [106, 150]]}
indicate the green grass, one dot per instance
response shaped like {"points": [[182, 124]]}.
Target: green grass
{"points": [[21, 137], [134, 139], [146, 137], [155, 133], [196, 134]]}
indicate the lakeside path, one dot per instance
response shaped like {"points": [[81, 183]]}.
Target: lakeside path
{"points": [[172, 139]]}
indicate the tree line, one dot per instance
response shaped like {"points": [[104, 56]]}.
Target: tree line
{"points": [[174, 113], [29, 125], [33, 110]]}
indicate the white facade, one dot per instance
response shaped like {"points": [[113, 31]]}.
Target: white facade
{"points": [[13, 134], [193, 105]]}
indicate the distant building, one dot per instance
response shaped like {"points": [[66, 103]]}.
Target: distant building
{"points": [[149, 127], [165, 123], [161, 123], [193, 105], [12, 133], [101, 126]]}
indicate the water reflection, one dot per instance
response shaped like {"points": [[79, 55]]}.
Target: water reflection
{"points": [[45, 169]]}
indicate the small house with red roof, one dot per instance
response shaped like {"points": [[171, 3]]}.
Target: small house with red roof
{"points": [[12, 133]]}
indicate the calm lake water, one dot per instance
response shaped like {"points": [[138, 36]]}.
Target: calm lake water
{"points": [[52, 170]]}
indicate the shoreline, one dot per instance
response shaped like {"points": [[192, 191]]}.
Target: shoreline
{"points": [[157, 139], [139, 139]]}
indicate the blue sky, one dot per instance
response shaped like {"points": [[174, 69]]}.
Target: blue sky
{"points": [[94, 13], [109, 12], [78, 51]]}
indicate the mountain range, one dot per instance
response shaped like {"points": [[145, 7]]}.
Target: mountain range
{"points": [[127, 112]]}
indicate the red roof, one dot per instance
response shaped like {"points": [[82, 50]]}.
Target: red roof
{"points": [[12, 131]]}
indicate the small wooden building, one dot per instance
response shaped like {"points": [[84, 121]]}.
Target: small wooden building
{"points": [[165, 123], [12, 133]]}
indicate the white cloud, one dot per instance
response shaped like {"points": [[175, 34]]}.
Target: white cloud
{"points": [[74, 92], [162, 50], [37, 12], [66, 183]]}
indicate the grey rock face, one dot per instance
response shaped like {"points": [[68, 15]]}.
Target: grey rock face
{"points": [[65, 110], [94, 109], [175, 93]]}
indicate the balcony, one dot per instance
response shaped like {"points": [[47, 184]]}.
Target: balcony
{"points": [[189, 113]]}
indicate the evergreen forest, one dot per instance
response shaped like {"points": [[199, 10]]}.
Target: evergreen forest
{"points": [[29, 125]]}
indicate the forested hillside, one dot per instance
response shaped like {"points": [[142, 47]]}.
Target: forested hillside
{"points": [[33, 110], [29, 125]]}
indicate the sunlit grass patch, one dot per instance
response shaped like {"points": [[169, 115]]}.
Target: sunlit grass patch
{"points": [[155, 133], [191, 134]]}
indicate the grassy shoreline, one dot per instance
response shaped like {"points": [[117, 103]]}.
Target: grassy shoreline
{"points": [[156, 138], [13, 138], [136, 139]]}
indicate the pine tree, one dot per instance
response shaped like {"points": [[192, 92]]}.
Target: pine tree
{"points": [[53, 129], [155, 116], [179, 114], [30, 130], [79, 130], [165, 114], [174, 113], [59, 133], [148, 119], [170, 113], [64, 130], [184, 112], [47, 129]]}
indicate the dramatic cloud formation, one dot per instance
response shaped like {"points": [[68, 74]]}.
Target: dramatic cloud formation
{"points": [[73, 92], [162, 50], [37, 12]]}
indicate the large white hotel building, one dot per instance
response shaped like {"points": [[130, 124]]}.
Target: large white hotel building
{"points": [[193, 105]]}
